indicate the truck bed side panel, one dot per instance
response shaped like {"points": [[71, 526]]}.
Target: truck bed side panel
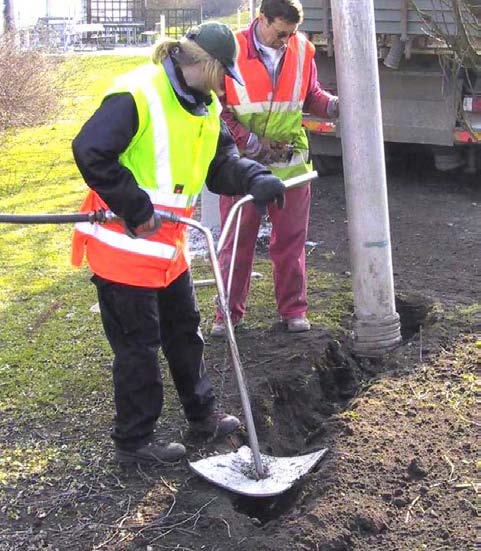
{"points": [[388, 17], [418, 102]]}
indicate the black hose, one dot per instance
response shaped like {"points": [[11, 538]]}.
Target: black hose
{"points": [[44, 218], [100, 216]]}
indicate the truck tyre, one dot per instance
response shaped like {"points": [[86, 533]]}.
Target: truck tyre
{"points": [[326, 165]]}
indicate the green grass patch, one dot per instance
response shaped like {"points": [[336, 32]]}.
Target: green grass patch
{"points": [[235, 21], [469, 313], [330, 298], [51, 345], [33, 458]]}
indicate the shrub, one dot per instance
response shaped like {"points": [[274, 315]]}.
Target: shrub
{"points": [[30, 85]]}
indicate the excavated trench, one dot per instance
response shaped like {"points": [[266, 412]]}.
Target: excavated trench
{"points": [[415, 312], [293, 407]]}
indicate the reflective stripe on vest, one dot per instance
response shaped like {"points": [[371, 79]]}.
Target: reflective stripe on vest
{"points": [[275, 113], [169, 157], [126, 243]]}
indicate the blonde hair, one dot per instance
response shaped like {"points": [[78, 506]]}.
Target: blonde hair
{"points": [[187, 52]]}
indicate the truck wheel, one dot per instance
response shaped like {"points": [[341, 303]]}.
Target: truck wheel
{"points": [[327, 165]]}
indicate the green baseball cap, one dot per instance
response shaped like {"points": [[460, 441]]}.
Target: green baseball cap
{"points": [[219, 41]]}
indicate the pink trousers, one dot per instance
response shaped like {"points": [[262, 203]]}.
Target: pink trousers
{"points": [[286, 250]]}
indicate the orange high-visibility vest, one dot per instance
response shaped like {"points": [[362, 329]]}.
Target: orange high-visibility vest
{"points": [[270, 112], [292, 82]]}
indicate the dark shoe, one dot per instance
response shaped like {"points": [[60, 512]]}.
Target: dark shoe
{"points": [[216, 423], [151, 453]]}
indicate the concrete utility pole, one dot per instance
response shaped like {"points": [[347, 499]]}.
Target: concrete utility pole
{"points": [[376, 326]]}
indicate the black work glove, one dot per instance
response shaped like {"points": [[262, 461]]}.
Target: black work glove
{"points": [[266, 188]]}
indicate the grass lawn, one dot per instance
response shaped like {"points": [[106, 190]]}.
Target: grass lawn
{"points": [[51, 345]]}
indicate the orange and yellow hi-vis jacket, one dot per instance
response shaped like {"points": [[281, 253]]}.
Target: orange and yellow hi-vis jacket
{"points": [[169, 157], [270, 111]]}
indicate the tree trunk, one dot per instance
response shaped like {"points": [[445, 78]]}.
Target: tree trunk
{"points": [[8, 17]]}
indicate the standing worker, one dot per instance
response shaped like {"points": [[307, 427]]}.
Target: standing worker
{"points": [[265, 117], [153, 142]]}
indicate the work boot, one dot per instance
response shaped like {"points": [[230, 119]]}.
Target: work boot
{"points": [[297, 325], [151, 453], [216, 423], [218, 328]]}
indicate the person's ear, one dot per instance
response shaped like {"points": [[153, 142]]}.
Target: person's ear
{"points": [[177, 53]]}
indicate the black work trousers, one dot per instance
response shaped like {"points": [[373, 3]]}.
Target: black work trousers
{"points": [[137, 322]]}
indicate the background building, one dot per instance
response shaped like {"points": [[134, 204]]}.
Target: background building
{"points": [[124, 21], [27, 12]]}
